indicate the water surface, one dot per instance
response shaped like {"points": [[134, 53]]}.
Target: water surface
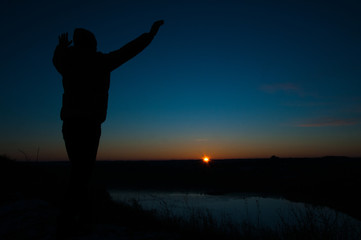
{"points": [[237, 208]]}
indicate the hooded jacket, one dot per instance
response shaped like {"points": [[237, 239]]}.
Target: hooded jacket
{"points": [[86, 74]]}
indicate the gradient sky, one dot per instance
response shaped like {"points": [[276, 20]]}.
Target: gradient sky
{"points": [[229, 79]]}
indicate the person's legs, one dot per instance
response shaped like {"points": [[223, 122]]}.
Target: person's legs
{"points": [[81, 142]]}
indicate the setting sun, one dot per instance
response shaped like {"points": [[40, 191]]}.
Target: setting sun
{"points": [[205, 159]]}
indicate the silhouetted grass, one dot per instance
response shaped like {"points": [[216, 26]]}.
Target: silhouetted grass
{"points": [[317, 223], [137, 219], [311, 223]]}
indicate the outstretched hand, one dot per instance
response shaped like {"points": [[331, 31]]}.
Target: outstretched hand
{"points": [[155, 27], [63, 40]]}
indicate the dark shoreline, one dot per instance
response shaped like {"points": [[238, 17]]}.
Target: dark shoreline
{"points": [[330, 181]]}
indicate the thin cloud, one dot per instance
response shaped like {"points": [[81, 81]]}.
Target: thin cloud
{"points": [[328, 123], [305, 104], [281, 87]]}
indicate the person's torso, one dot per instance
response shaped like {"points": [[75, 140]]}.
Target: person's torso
{"points": [[86, 83]]}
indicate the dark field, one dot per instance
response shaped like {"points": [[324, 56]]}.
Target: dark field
{"points": [[331, 181]]}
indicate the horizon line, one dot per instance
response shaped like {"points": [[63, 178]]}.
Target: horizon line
{"points": [[194, 159]]}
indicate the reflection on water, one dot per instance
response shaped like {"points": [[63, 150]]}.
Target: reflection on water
{"points": [[265, 211]]}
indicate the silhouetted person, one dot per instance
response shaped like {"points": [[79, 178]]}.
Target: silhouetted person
{"points": [[86, 77]]}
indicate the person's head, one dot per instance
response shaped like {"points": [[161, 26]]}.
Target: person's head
{"points": [[84, 39]]}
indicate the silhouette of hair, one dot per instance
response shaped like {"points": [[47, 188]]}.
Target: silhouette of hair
{"points": [[84, 39]]}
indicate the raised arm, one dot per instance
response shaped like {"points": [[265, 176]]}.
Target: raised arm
{"points": [[131, 49], [59, 52]]}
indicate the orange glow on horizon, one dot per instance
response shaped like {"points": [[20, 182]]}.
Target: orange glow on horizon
{"points": [[205, 159]]}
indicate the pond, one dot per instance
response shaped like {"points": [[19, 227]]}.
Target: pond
{"points": [[235, 208]]}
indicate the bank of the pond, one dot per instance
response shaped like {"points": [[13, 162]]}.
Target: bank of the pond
{"points": [[255, 209]]}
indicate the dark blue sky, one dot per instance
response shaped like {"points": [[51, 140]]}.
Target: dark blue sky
{"points": [[230, 79]]}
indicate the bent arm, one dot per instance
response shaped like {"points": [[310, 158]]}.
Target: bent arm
{"points": [[59, 53], [58, 58]]}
